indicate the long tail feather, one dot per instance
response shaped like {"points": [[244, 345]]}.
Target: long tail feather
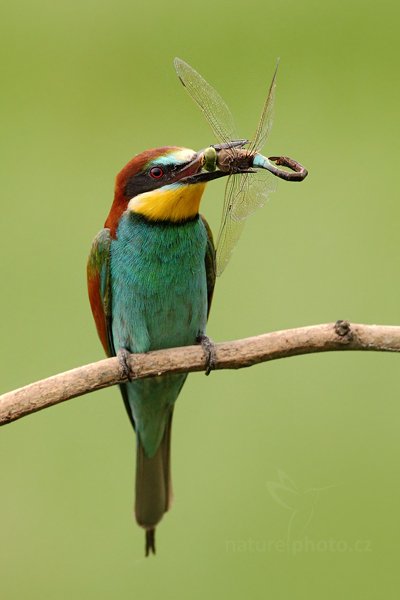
{"points": [[153, 487]]}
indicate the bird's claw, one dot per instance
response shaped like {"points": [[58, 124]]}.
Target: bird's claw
{"points": [[123, 358], [209, 351]]}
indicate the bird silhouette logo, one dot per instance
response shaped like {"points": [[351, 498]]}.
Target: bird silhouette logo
{"points": [[301, 503]]}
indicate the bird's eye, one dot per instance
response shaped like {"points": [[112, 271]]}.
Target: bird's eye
{"points": [[156, 173]]}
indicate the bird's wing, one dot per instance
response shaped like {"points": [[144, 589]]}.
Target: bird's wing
{"points": [[211, 264], [99, 287]]}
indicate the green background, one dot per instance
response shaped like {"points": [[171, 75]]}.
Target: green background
{"points": [[286, 474]]}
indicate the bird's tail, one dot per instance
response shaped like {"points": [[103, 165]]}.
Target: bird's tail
{"points": [[153, 487]]}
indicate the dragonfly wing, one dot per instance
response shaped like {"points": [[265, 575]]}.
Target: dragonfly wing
{"points": [[260, 186], [230, 228], [265, 122], [212, 105], [244, 193]]}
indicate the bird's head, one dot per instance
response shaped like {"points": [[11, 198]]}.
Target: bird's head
{"points": [[163, 184]]}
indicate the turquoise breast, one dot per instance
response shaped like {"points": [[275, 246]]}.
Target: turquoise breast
{"points": [[159, 300]]}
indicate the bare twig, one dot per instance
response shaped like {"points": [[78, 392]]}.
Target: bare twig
{"points": [[228, 355]]}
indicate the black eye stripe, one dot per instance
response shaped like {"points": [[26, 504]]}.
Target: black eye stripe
{"points": [[145, 182], [169, 169]]}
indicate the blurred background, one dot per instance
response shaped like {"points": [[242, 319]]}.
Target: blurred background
{"points": [[286, 474]]}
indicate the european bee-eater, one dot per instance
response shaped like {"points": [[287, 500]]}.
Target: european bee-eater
{"points": [[151, 275]]}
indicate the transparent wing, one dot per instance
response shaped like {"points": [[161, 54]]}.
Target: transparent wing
{"points": [[243, 195], [230, 229], [213, 106], [265, 122], [259, 186]]}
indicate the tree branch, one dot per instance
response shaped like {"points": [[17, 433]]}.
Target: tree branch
{"points": [[228, 355]]}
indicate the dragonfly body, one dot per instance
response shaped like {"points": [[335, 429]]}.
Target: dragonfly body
{"points": [[236, 160], [232, 159]]}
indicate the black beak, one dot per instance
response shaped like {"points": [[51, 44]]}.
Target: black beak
{"points": [[204, 177]]}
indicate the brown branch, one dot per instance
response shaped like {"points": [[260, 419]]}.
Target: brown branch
{"points": [[228, 355]]}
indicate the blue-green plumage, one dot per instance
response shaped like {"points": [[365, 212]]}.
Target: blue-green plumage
{"points": [[159, 300]]}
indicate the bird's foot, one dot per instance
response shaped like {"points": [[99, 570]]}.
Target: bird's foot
{"points": [[209, 350], [150, 541], [123, 358]]}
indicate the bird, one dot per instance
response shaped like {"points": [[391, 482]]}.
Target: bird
{"points": [[151, 275]]}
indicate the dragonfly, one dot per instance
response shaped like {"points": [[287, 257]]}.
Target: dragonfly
{"points": [[247, 188]]}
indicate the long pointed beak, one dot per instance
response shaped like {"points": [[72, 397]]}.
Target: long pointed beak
{"points": [[204, 177], [190, 169]]}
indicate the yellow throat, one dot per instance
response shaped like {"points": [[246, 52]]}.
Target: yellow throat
{"points": [[175, 202]]}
